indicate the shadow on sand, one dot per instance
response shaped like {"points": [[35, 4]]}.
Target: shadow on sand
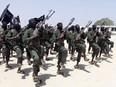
{"points": [[82, 67], [27, 71], [104, 59], [12, 66], [44, 77], [66, 72]]}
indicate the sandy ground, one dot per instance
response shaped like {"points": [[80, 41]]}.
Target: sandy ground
{"points": [[102, 74]]}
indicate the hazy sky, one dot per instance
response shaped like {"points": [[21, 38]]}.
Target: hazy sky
{"points": [[82, 10]]}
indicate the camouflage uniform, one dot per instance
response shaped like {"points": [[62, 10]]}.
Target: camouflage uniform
{"points": [[95, 47], [59, 40], [88, 39], [46, 40], [5, 51], [80, 47], [31, 40], [3, 44], [68, 36], [103, 40], [71, 40], [14, 43], [107, 40]]}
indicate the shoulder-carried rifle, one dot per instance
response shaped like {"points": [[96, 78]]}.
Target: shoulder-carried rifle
{"points": [[99, 28], [71, 21], [65, 29], [102, 24], [39, 24], [51, 12], [97, 31], [86, 26]]}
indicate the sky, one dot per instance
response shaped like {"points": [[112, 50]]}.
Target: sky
{"points": [[81, 10]]}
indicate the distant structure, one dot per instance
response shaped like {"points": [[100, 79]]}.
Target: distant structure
{"points": [[112, 29]]}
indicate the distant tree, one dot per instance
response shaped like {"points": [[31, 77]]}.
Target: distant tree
{"points": [[107, 22]]}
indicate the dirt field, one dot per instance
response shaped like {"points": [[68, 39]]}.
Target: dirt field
{"points": [[102, 74]]}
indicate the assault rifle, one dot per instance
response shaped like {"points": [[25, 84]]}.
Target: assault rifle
{"points": [[99, 28], [51, 12], [86, 26], [71, 21], [39, 24], [41, 20], [96, 32], [61, 38], [102, 24], [65, 29]]}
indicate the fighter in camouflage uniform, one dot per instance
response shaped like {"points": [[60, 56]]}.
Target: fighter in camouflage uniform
{"points": [[14, 42], [51, 31], [46, 40], [58, 38], [80, 47], [3, 32], [71, 38], [88, 39], [67, 39], [104, 42], [93, 43], [31, 39], [73, 32], [107, 38]]}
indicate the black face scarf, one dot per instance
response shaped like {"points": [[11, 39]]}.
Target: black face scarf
{"points": [[83, 36], [32, 23], [77, 27], [60, 26], [72, 28], [94, 27], [17, 27]]}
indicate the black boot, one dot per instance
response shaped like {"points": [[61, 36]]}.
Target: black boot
{"points": [[77, 66], [59, 70], [35, 77], [19, 69]]}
